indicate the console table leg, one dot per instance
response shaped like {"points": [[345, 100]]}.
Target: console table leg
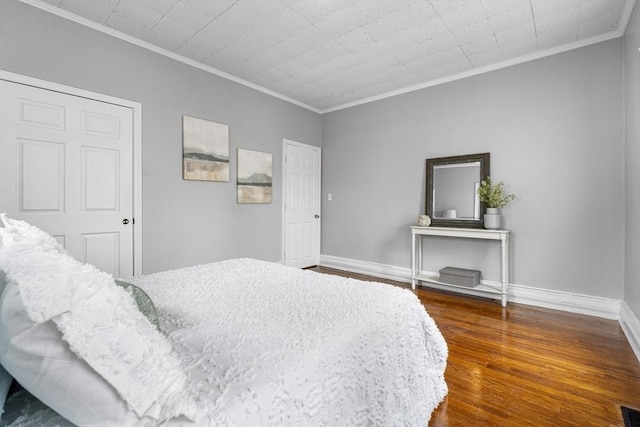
{"points": [[505, 269], [413, 261], [419, 254]]}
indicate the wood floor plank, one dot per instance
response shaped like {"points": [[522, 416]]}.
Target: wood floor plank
{"points": [[527, 366]]}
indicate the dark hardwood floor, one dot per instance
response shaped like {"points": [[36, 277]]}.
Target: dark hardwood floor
{"points": [[527, 366]]}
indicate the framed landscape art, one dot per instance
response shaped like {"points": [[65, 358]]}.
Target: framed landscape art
{"points": [[255, 173], [205, 150]]}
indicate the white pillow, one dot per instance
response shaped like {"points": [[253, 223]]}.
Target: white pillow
{"points": [[108, 365], [36, 236], [43, 364]]}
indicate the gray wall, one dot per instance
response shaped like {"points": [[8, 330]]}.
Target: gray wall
{"points": [[184, 222], [554, 130], [632, 158], [553, 126]]}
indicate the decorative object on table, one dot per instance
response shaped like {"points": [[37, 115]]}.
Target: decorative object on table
{"points": [[255, 172], [424, 221], [205, 150], [449, 214], [460, 276], [492, 219], [492, 195]]}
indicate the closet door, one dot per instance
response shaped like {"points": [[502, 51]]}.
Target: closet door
{"points": [[66, 167]]}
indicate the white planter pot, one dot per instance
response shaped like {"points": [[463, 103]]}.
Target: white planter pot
{"points": [[492, 219]]}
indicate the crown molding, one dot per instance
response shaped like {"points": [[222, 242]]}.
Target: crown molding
{"points": [[626, 16], [619, 32], [146, 45], [482, 70]]}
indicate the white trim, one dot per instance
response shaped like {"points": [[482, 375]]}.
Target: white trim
{"points": [[626, 16], [146, 45], [608, 308], [631, 327], [482, 70], [286, 142], [574, 303], [383, 271], [136, 107], [619, 32], [137, 188]]}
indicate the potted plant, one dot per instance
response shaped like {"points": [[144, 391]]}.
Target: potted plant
{"points": [[492, 195]]}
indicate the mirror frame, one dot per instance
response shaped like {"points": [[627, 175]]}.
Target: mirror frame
{"points": [[485, 168]]}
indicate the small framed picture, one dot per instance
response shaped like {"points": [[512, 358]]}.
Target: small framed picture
{"points": [[205, 150], [255, 173]]}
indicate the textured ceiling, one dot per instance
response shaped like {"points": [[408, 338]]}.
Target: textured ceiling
{"points": [[327, 54]]}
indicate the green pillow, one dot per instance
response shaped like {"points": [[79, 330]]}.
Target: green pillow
{"points": [[142, 300]]}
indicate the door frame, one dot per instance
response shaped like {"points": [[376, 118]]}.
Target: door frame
{"points": [[286, 142], [136, 108]]}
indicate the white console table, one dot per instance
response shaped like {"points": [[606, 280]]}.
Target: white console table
{"points": [[417, 275]]}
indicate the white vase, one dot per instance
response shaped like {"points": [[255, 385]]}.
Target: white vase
{"points": [[492, 219], [424, 221]]}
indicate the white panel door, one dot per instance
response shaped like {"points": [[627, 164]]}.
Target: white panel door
{"points": [[302, 205], [66, 167]]}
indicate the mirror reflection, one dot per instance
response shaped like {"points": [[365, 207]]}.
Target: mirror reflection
{"points": [[455, 189], [451, 190]]}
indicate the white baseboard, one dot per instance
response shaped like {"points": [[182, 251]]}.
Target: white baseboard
{"points": [[631, 327], [608, 308], [383, 271]]}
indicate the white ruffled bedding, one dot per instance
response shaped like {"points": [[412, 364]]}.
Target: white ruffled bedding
{"points": [[267, 345]]}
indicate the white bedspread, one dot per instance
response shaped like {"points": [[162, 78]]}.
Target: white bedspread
{"points": [[267, 345]]}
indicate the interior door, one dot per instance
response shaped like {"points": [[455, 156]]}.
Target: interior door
{"points": [[66, 167], [302, 204]]}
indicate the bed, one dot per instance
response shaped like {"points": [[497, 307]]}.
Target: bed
{"points": [[253, 343]]}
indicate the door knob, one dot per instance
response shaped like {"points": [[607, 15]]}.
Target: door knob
{"points": [[317, 216], [125, 221]]}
